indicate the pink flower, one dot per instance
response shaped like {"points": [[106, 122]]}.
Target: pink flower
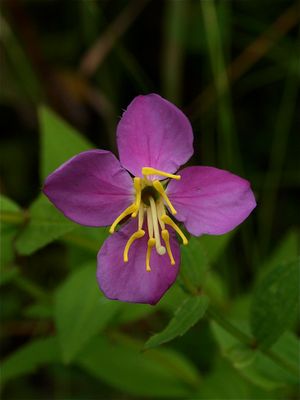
{"points": [[140, 261]]}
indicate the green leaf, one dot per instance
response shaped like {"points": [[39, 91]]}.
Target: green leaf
{"points": [[199, 255], [155, 373], [275, 303], [185, 317], [59, 141], [255, 366], [39, 311], [134, 312], [225, 383], [46, 224], [194, 264], [287, 250], [81, 311], [214, 246], [10, 218], [8, 275], [30, 357]]}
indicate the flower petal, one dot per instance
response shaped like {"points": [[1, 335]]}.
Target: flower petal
{"points": [[154, 133], [91, 188], [130, 281], [210, 200]]}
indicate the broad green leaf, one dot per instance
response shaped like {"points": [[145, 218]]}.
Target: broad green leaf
{"points": [[275, 303], [254, 365], [199, 255], [11, 217], [132, 312], [155, 373], [84, 241], [18, 78], [225, 383], [214, 245], [215, 288], [30, 357], [59, 141], [40, 311], [185, 317], [194, 264], [287, 250], [7, 275], [45, 225], [81, 311]]}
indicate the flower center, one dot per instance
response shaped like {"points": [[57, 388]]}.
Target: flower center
{"points": [[150, 204]]}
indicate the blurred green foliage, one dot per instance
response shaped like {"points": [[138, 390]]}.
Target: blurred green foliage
{"points": [[229, 327]]}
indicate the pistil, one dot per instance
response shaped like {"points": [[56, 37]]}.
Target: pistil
{"points": [[150, 198], [161, 250]]}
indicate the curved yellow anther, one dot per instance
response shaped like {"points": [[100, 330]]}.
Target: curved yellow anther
{"points": [[159, 187], [165, 235], [137, 235], [151, 243], [129, 210], [167, 220], [152, 171], [138, 192]]}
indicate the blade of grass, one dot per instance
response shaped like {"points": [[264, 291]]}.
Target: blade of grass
{"points": [[173, 51], [229, 156], [99, 50], [248, 57], [277, 158]]}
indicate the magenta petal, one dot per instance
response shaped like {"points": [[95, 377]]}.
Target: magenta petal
{"points": [[210, 200], [130, 281], [154, 133], [91, 188]]}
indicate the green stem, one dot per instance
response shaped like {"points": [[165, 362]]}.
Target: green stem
{"points": [[31, 288], [249, 341], [12, 217], [229, 327]]}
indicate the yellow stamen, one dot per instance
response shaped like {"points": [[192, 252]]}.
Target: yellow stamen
{"points": [[149, 223], [165, 235], [160, 212], [124, 214], [159, 187], [167, 220], [141, 217], [152, 171], [151, 243], [138, 192], [159, 248], [137, 235]]}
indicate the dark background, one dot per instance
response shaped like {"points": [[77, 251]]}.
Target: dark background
{"points": [[233, 68]]}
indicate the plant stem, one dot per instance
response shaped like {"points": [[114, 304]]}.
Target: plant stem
{"points": [[31, 288], [229, 327], [248, 340], [12, 217]]}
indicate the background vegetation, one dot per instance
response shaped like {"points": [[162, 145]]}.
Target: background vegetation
{"points": [[229, 328]]}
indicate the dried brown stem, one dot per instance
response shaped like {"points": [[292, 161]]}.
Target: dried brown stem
{"points": [[96, 54], [248, 57]]}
